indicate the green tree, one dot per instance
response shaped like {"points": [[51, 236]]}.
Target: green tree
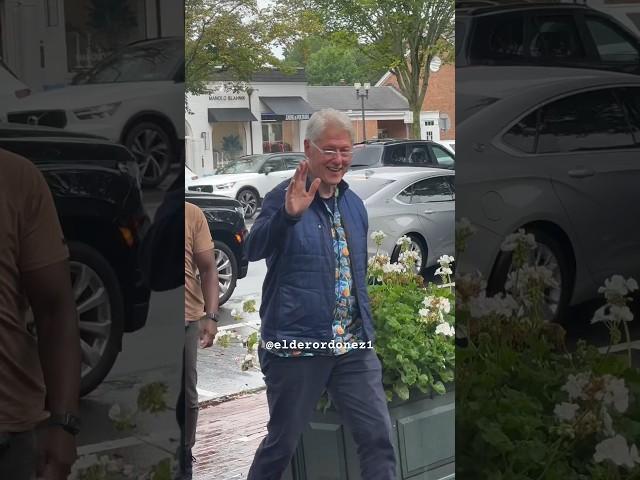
{"points": [[336, 65], [402, 36], [225, 36]]}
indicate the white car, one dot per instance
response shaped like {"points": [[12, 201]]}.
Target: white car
{"points": [[248, 179], [418, 202], [134, 97], [11, 90], [448, 144], [554, 151]]}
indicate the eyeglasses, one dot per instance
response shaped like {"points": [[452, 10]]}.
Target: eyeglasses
{"points": [[331, 154]]}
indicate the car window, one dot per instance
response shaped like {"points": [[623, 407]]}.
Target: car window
{"points": [[586, 121], [498, 37], [612, 44], [138, 63], [443, 158], [291, 162], [631, 98], [555, 36], [434, 189], [396, 155], [366, 155], [419, 155], [275, 164], [522, 136]]}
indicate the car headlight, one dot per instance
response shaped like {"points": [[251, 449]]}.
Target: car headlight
{"points": [[225, 186], [97, 111]]}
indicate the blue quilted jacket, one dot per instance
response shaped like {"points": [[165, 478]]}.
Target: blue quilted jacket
{"points": [[298, 295]]}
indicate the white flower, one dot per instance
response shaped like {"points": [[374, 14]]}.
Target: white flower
{"points": [[612, 313], [444, 271], [525, 277], [616, 450], [393, 268], [114, 412], [378, 237], [607, 424], [445, 329], [499, 305], [403, 240], [512, 241], [445, 304], [618, 286], [423, 312], [616, 393], [566, 411], [234, 312], [576, 384], [446, 260]]}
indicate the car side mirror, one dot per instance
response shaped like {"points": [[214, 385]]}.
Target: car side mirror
{"points": [[268, 170]]}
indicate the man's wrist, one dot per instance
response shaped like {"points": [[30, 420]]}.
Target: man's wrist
{"points": [[211, 316], [69, 422]]}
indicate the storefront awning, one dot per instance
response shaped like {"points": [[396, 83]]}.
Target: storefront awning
{"points": [[288, 108], [230, 115]]}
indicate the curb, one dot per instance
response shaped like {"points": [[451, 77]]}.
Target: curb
{"points": [[232, 396]]}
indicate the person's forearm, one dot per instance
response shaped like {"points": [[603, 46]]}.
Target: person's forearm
{"points": [[59, 349], [210, 290]]}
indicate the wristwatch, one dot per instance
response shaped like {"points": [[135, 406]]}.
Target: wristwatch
{"points": [[69, 422], [211, 316]]}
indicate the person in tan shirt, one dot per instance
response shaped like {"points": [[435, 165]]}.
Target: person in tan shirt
{"points": [[39, 370], [200, 309]]}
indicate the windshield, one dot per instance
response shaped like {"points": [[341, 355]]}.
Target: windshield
{"points": [[145, 62], [250, 164], [365, 187], [366, 155]]}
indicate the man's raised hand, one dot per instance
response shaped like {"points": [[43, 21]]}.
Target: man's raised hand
{"points": [[298, 198]]}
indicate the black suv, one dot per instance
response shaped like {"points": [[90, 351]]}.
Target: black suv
{"points": [[225, 217], [403, 153], [96, 188], [543, 34]]}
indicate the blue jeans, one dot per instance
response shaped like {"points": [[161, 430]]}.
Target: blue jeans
{"points": [[294, 386]]}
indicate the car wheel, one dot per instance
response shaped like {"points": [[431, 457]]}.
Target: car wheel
{"points": [[152, 147], [100, 310], [417, 245], [548, 253], [227, 270], [249, 200]]}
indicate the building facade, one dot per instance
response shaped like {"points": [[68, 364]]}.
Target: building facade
{"points": [[267, 115], [439, 105], [386, 111]]}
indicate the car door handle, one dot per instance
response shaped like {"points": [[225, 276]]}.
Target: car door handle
{"points": [[581, 173], [429, 212]]}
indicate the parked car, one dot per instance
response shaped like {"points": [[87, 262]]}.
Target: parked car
{"points": [[417, 202], [95, 186], [404, 153], [553, 151], [225, 217], [134, 97], [247, 179], [561, 34], [448, 144], [11, 89]]}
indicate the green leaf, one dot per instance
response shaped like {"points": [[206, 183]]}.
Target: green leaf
{"points": [[439, 388], [401, 390]]}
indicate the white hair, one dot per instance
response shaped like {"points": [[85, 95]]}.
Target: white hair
{"points": [[323, 119]]}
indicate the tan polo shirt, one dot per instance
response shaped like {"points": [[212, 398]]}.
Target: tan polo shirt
{"points": [[30, 238], [197, 239]]}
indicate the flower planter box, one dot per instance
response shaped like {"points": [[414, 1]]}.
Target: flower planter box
{"points": [[423, 437]]}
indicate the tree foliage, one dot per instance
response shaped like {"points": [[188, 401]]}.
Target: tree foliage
{"points": [[401, 36], [226, 36]]}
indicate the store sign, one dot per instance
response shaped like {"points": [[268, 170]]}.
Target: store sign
{"points": [[298, 116], [227, 98]]}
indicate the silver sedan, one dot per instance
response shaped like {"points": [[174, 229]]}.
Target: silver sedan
{"points": [[414, 201]]}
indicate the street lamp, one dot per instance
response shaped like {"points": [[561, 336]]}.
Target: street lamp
{"points": [[362, 92]]}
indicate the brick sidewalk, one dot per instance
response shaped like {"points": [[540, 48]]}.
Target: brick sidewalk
{"points": [[228, 434]]}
